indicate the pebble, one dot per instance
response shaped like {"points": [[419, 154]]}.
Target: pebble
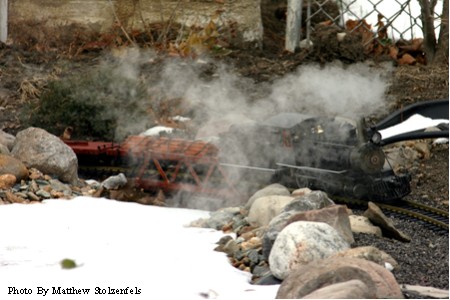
{"points": [[40, 186]]}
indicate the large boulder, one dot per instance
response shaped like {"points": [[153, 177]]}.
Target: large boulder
{"points": [[335, 215], [308, 278], [352, 289], [264, 209], [11, 165], [273, 189], [37, 148], [301, 243], [273, 229]]}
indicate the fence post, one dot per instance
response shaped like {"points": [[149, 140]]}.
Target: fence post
{"points": [[3, 20], [293, 24]]}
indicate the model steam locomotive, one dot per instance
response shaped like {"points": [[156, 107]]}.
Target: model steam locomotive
{"points": [[333, 154], [337, 155]]}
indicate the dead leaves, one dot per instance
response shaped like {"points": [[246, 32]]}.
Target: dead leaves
{"points": [[378, 43]]}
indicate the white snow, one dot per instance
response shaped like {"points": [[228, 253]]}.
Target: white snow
{"points": [[415, 122], [156, 130], [117, 245]]}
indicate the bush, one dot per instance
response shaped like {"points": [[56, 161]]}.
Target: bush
{"points": [[106, 104]]}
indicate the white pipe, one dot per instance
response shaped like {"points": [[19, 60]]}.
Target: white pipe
{"points": [[3, 20], [293, 24]]}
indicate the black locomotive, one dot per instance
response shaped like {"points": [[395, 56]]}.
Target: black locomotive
{"points": [[333, 154]]}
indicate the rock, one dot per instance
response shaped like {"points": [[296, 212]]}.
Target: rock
{"points": [[60, 187], [273, 229], [376, 216], [352, 289], [4, 150], [35, 174], [7, 139], [361, 224], [265, 208], [310, 277], [43, 194], [310, 201], [252, 243], [114, 182], [273, 189], [301, 192], [336, 216], [11, 165], [223, 240], [222, 217], [424, 149], [425, 291], [14, 198], [268, 279], [37, 148], [7, 181], [370, 253], [301, 243], [230, 247], [401, 156], [217, 219]]}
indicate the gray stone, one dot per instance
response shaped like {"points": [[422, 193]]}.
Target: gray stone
{"points": [[56, 185], [336, 216], [310, 201], [114, 182], [264, 209], [4, 150], [43, 194], [7, 139], [301, 243], [273, 229], [273, 189], [37, 148]]}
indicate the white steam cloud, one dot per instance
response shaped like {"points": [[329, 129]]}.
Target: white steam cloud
{"points": [[212, 91], [355, 91]]}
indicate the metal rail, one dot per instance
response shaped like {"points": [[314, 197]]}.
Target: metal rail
{"points": [[436, 217]]}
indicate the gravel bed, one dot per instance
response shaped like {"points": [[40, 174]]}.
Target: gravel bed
{"points": [[423, 261]]}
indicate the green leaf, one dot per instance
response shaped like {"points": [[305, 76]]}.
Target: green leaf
{"points": [[68, 263]]}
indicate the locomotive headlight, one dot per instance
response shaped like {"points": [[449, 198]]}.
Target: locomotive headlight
{"points": [[376, 138]]}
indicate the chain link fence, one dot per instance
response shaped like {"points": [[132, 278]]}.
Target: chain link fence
{"points": [[392, 19]]}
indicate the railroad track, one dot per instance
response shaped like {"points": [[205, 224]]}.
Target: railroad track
{"points": [[434, 218]]}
